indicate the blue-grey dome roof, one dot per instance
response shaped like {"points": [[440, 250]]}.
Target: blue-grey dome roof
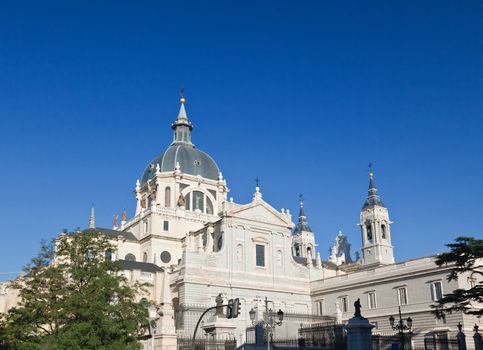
{"points": [[191, 161]]}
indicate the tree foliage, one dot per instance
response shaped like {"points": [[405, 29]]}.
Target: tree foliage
{"points": [[72, 297], [465, 257]]}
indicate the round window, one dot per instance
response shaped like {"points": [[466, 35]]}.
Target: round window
{"points": [[165, 257]]}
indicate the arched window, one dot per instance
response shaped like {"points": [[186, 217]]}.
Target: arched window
{"points": [[167, 197], [188, 201], [209, 206], [198, 201], [130, 257], [309, 251], [369, 232], [145, 257], [383, 231]]}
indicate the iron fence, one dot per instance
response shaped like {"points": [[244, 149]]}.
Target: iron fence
{"points": [[393, 340], [208, 343], [440, 342], [318, 334]]}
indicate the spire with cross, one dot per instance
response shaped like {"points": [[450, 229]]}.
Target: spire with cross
{"points": [[257, 195], [302, 224], [372, 197]]}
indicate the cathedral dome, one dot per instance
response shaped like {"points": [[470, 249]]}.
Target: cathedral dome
{"points": [[191, 161]]}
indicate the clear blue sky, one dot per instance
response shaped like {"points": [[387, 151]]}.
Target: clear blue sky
{"points": [[302, 94]]}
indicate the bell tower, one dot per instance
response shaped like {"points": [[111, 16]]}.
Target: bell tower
{"points": [[303, 237], [375, 228]]}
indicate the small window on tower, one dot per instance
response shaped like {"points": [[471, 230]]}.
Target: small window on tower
{"points": [[383, 231], [166, 225], [369, 232], [167, 197]]}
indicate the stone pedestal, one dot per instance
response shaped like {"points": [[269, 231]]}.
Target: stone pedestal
{"points": [[359, 334], [339, 337], [165, 342], [220, 327]]}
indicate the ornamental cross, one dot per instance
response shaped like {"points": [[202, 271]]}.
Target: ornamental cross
{"points": [[370, 165], [257, 181]]}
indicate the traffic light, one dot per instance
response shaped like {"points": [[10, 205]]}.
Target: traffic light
{"points": [[236, 308], [229, 309]]}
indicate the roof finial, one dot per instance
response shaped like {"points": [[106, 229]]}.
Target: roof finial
{"points": [[371, 170], [301, 210], [372, 197], [257, 194], [372, 187], [182, 99], [92, 219]]}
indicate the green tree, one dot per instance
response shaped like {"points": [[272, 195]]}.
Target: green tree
{"points": [[465, 257], [73, 297]]}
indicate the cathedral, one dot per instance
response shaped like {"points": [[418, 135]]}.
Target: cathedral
{"points": [[194, 244]]}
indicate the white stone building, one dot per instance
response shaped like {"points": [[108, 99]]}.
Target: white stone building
{"points": [[191, 243]]}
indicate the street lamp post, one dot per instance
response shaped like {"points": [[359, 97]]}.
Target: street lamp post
{"points": [[400, 326], [268, 321]]}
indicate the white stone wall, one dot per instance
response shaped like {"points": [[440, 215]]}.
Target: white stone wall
{"points": [[415, 275]]}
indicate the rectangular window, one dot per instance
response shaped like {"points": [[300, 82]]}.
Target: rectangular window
{"points": [[320, 307], [436, 291], [371, 300], [344, 303], [260, 253], [166, 225], [402, 295]]}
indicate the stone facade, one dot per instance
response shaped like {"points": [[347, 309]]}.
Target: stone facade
{"points": [[191, 243]]}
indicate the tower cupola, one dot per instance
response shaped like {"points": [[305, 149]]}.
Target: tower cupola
{"points": [[375, 228], [303, 237], [182, 126]]}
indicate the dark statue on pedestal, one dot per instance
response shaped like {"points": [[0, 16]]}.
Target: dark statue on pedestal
{"points": [[357, 308]]}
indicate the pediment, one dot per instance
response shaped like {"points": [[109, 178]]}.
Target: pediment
{"points": [[262, 212]]}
